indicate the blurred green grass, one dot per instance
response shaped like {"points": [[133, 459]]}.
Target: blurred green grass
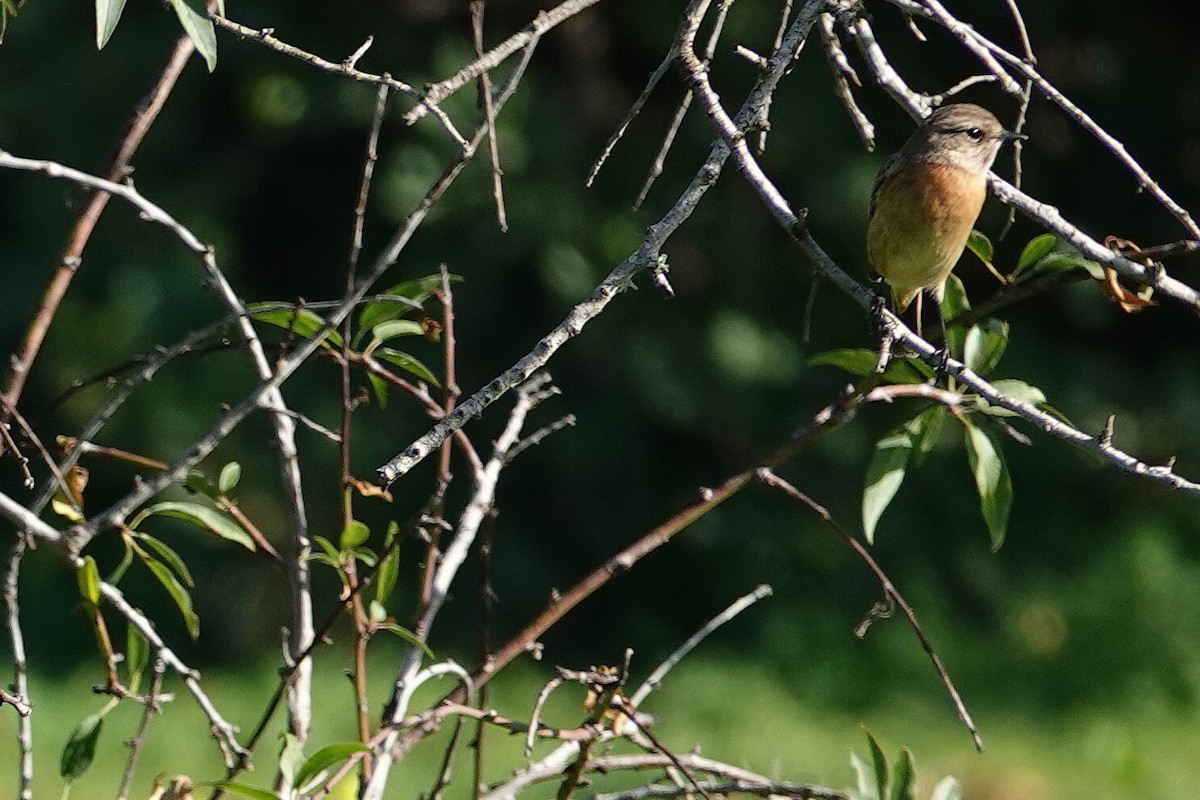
{"points": [[729, 710]]}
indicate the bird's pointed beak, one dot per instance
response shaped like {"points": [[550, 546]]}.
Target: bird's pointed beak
{"points": [[1010, 136]]}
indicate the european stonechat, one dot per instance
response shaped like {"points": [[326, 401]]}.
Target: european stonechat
{"points": [[927, 197]]}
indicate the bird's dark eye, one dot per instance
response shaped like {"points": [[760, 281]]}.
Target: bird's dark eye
{"points": [[975, 133]]}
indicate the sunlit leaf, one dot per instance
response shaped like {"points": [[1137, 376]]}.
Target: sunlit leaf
{"points": [[89, 581], [291, 758], [80, 749], [984, 345], [1015, 389], [864, 776], [410, 295], [301, 322], [108, 13], [380, 388], [992, 480], [888, 465], [200, 30], [199, 515], [948, 788], [178, 593], [354, 534], [393, 329], [407, 363], [981, 246], [231, 473], [326, 757]]}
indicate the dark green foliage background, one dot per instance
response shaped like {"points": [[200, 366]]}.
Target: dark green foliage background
{"points": [[1093, 602]]}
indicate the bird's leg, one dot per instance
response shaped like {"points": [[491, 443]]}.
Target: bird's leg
{"points": [[943, 352]]}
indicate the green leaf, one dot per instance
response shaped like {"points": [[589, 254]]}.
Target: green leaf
{"points": [[1069, 261], [981, 246], [385, 578], [1037, 249], [904, 774], [108, 13], [392, 330], [326, 757], [179, 594], [201, 516], [245, 790], [291, 758], [947, 789], [408, 636], [408, 364], [168, 556], [878, 764], [88, 577], [954, 304], [137, 656], [80, 749], [864, 778], [984, 345], [992, 481], [115, 576], [231, 473], [198, 483], [861, 362], [354, 534], [301, 322], [200, 30], [887, 467], [414, 292], [1017, 390], [380, 388], [331, 552], [925, 433]]}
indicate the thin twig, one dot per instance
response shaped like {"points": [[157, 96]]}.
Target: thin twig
{"points": [[489, 115], [771, 479]]}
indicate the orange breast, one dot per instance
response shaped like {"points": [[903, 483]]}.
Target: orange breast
{"points": [[923, 215]]}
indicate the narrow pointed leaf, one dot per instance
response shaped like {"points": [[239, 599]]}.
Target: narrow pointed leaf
{"points": [[392, 330], [861, 362], [879, 765], [326, 757], [408, 636], [410, 295], [301, 322], [89, 581], [201, 516], [904, 775], [954, 303], [245, 790], [887, 468], [168, 556], [137, 656], [385, 579], [380, 388], [1037, 248], [199, 30], [290, 759], [992, 481], [80, 749], [864, 776], [178, 593], [407, 363], [108, 14]]}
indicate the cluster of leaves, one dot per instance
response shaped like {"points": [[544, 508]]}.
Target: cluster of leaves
{"points": [[195, 24], [980, 347], [875, 781]]}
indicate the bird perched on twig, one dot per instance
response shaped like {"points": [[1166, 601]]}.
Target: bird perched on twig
{"points": [[926, 199]]}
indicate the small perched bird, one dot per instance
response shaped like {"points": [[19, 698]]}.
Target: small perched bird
{"points": [[927, 197]]}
